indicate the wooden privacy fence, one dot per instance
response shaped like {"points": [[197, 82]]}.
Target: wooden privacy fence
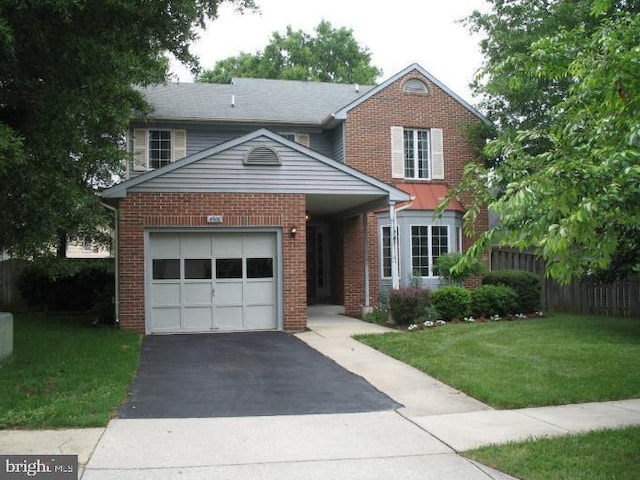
{"points": [[584, 295], [9, 272]]}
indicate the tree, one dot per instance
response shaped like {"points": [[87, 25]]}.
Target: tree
{"points": [[576, 201], [67, 75], [332, 55]]}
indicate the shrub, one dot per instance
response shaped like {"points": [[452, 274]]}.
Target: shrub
{"points": [[407, 304], [68, 285], [444, 264], [488, 300], [526, 284], [451, 302]]}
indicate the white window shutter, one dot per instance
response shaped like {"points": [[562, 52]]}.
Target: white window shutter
{"points": [[397, 152], [303, 139], [179, 144], [139, 149], [437, 154]]}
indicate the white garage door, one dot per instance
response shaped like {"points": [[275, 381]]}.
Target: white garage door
{"points": [[203, 282]]}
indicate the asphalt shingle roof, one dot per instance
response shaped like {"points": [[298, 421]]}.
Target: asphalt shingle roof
{"points": [[254, 100]]}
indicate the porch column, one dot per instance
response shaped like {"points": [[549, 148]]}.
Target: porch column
{"points": [[366, 305], [395, 274]]}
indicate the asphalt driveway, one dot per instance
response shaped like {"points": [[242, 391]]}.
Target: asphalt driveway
{"points": [[243, 374]]}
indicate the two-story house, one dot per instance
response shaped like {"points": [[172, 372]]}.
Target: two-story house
{"points": [[246, 202]]}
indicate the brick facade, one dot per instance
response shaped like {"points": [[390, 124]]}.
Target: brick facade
{"points": [[368, 149], [139, 211]]}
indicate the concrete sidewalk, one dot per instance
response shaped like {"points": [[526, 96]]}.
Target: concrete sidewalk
{"points": [[418, 441]]}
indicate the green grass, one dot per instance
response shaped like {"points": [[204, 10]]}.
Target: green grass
{"points": [[604, 454], [64, 373], [549, 361]]}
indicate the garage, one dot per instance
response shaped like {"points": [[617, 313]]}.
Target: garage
{"points": [[211, 282]]}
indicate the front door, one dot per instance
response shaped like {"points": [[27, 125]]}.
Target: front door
{"points": [[318, 285]]}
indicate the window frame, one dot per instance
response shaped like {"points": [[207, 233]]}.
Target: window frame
{"points": [[382, 250], [161, 162], [420, 157], [430, 246]]}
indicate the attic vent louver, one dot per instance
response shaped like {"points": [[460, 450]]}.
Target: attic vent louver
{"points": [[413, 85], [262, 156]]}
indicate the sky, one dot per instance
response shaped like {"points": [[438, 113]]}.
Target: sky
{"points": [[397, 33]]}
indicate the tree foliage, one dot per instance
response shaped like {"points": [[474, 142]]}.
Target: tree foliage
{"points": [[331, 55], [67, 75], [577, 200]]}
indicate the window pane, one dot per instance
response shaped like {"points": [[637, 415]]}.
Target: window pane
{"points": [[439, 242], [259, 268], [422, 152], [420, 250], [197, 268], [166, 269], [228, 268], [386, 251], [159, 148], [409, 153]]}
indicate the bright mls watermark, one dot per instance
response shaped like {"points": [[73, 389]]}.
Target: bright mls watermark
{"points": [[41, 467]]}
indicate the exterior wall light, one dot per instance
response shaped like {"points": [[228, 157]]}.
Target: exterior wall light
{"points": [[293, 232]]}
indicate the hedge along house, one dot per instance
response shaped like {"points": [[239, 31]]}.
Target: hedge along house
{"points": [[246, 202]]}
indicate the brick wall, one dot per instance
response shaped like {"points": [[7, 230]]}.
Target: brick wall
{"points": [[139, 211], [368, 144]]}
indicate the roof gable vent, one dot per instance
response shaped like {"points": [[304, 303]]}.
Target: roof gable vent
{"points": [[262, 156], [413, 85]]}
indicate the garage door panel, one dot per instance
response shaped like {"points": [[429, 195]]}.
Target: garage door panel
{"points": [[228, 245], [227, 317], [260, 317], [197, 246], [197, 318], [258, 245], [166, 319], [165, 245], [260, 292], [165, 294], [196, 293], [229, 293]]}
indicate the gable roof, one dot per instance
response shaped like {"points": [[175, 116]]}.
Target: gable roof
{"points": [[251, 100], [354, 182], [263, 101], [341, 114]]}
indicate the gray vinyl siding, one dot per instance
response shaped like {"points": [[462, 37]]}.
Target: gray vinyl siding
{"points": [[225, 172], [202, 136], [337, 141]]}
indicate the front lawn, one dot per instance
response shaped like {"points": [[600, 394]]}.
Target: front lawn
{"points": [[64, 373], [555, 360], [604, 454]]}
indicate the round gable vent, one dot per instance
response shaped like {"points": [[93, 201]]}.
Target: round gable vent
{"points": [[262, 156], [413, 85]]}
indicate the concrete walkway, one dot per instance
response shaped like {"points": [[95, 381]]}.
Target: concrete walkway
{"points": [[418, 441]]}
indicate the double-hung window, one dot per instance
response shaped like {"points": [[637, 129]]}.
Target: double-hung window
{"points": [[385, 256], [155, 148], [428, 242], [159, 148], [416, 153]]}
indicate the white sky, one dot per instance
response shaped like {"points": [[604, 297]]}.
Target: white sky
{"points": [[397, 33]]}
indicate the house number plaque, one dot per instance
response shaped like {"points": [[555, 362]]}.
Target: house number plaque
{"points": [[215, 218]]}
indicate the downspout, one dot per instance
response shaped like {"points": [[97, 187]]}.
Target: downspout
{"points": [[366, 308], [393, 216], [117, 266]]}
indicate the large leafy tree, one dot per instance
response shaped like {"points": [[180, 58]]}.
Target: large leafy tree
{"points": [[67, 75], [331, 55], [568, 183]]}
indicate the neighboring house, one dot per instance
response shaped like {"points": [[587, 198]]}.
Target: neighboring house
{"points": [[246, 202]]}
